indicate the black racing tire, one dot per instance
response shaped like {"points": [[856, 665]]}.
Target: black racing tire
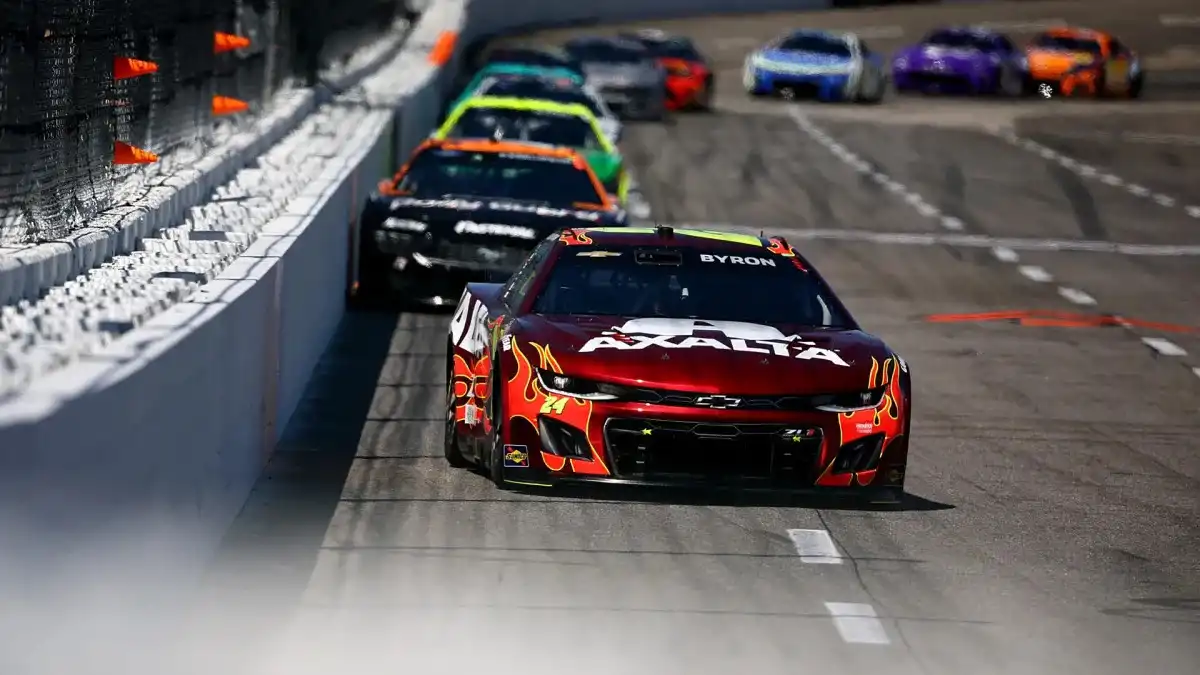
{"points": [[453, 453], [495, 460], [1136, 86]]}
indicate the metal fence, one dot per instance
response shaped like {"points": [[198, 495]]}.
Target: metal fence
{"points": [[62, 110]]}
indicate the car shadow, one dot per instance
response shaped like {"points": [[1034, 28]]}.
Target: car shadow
{"points": [[737, 498]]}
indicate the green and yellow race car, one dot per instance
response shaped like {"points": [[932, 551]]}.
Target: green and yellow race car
{"points": [[568, 125]]}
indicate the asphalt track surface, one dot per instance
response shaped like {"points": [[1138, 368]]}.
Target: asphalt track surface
{"points": [[1053, 525]]}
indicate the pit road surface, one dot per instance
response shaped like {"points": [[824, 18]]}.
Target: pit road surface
{"points": [[1053, 525]]}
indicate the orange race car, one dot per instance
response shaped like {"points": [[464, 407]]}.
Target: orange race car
{"points": [[1082, 62], [689, 76]]}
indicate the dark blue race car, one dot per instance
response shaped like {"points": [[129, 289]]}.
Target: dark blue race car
{"points": [[961, 60]]}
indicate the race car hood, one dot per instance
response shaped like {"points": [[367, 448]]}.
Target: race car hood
{"points": [[1048, 64], [707, 357], [922, 57], [803, 58]]}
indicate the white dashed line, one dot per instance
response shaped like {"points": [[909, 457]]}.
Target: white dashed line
{"points": [[1164, 347], [857, 623], [1005, 254], [1034, 273], [1076, 296], [1178, 20], [952, 223], [815, 547], [1088, 171], [1196, 371]]}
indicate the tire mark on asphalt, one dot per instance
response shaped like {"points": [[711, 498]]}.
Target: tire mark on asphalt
{"points": [[1083, 204]]}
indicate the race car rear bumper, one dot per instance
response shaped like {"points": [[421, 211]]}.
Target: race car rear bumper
{"points": [[421, 279], [635, 103]]}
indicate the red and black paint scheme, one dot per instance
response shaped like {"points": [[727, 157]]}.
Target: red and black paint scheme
{"points": [[690, 77], [540, 397]]}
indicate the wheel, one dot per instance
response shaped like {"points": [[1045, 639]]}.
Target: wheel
{"points": [[1009, 82], [750, 81], [495, 463], [454, 456], [1135, 86], [872, 90], [704, 102]]}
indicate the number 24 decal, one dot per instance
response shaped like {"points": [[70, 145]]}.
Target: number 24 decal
{"points": [[554, 405]]}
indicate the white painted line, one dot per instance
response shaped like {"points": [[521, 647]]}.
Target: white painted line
{"points": [[1164, 200], [1109, 179], [952, 223], [1164, 347], [1177, 20], [968, 241], [1031, 26], [1196, 371], [857, 623], [1193, 211], [1139, 190], [815, 547], [1005, 254], [1035, 273], [1076, 296]]}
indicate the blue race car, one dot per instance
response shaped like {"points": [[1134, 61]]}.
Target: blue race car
{"points": [[816, 64], [963, 60]]}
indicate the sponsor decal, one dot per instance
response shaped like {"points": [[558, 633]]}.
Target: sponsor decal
{"points": [[495, 230], [404, 224], [516, 457], [507, 343], [718, 402], [638, 334], [864, 427], [471, 414], [545, 211], [798, 435], [903, 363], [502, 206], [737, 260], [597, 254]]}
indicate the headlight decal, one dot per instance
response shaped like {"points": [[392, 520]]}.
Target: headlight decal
{"points": [[527, 399]]}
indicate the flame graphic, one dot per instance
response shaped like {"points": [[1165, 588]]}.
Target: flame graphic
{"points": [[470, 387], [885, 418], [781, 247], [526, 400], [575, 238]]}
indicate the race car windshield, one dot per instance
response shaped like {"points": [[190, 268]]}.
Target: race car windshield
{"points": [[958, 40], [540, 89], [606, 53], [526, 125], [815, 44], [1062, 43], [622, 282], [437, 173]]}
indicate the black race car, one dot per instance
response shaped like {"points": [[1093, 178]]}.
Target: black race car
{"points": [[470, 210]]}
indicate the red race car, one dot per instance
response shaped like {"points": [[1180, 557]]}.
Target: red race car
{"points": [[655, 356], [689, 76]]}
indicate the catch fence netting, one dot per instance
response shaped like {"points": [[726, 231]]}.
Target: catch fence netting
{"points": [[61, 111]]}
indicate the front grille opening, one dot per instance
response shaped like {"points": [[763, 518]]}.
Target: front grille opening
{"points": [[713, 453], [562, 439], [799, 89], [860, 455]]}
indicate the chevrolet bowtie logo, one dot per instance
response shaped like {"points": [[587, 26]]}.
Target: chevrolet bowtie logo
{"points": [[718, 402]]}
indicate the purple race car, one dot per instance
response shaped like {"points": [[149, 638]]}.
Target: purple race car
{"points": [[962, 60]]}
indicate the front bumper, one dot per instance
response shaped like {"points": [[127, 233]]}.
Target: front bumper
{"points": [[435, 278], [943, 81], [700, 449], [822, 87]]}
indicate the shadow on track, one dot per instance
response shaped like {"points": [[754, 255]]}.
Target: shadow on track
{"points": [[748, 498]]}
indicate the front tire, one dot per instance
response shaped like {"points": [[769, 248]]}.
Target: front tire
{"points": [[1010, 83], [454, 456], [495, 463], [1135, 87]]}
